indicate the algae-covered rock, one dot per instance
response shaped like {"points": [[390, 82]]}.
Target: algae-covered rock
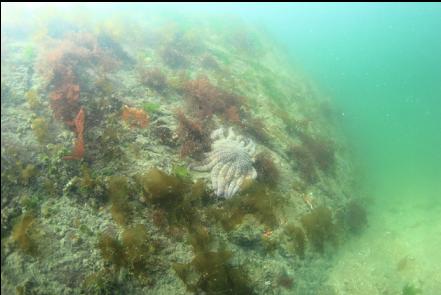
{"points": [[141, 100]]}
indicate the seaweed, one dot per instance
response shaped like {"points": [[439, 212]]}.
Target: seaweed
{"points": [[161, 188], [13, 171], [29, 53], [165, 135], [154, 78], [211, 272], [259, 201], [135, 251], [410, 289], [33, 100], [304, 163], [285, 281], [61, 67], [232, 115], [104, 85], [159, 218], [297, 239], [118, 192], [109, 143], [30, 203], [319, 227], [313, 151], [112, 250], [199, 237], [176, 197], [27, 173], [135, 117], [151, 107], [25, 235], [263, 204], [138, 249], [40, 128], [322, 152], [193, 137], [87, 182], [78, 123], [103, 282], [267, 172], [204, 100], [180, 171]]}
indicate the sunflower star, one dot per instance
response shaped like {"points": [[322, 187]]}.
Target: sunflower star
{"points": [[230, 162]]}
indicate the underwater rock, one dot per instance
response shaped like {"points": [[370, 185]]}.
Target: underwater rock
{"points": [[248, 235], [230, 162], [143, 98]]}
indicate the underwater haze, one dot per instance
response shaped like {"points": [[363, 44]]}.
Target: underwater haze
{"points": [[224, 148]]}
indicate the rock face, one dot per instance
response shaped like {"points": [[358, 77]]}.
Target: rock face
{"points": [[91, 216], [230, 162]]}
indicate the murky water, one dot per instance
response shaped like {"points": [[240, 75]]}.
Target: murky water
{"points": [[109, 111]]}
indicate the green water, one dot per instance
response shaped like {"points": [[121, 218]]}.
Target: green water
{"points": [[380, 65]]}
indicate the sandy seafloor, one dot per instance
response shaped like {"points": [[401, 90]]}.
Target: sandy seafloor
{"points": [[400, 248]]}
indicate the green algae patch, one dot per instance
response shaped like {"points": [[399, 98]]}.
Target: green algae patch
{"points": [[29, 53], [87, 182], [40, 128], [212, 273], [200, 238], [139, 249], [410, 289], [25, 235], [296, 238], [136, 251], [31, 202], [319, 227], [151, 107], [177, 198], [180, 171], [260, 201], [100, 283], [112, 250], [118, 192], [27, 173], [32, 100], [161, 188]]}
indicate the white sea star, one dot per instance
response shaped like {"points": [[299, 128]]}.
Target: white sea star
{"points": [[230, 162]]}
